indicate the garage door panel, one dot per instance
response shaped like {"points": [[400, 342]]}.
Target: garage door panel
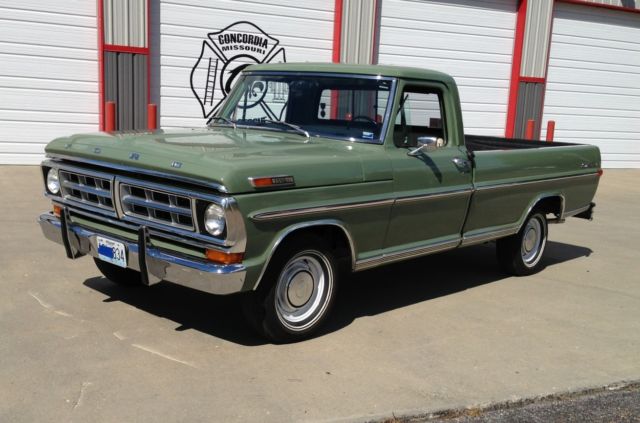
{"points": [[592, 101], [593, 81], [484, 119], [583, 111], [440, 27], [606, 54], [49, 116], [175, 48], [596, 122], [39, 133], [48, 34], [470, 40], [48, 67], [607, 24], [199, 19], [456, 68], [582, 135], [597, 69], [495, 14], [431, 39], [418, 52]]}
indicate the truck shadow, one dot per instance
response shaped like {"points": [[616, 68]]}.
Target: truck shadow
{"points": [[366, 293]]}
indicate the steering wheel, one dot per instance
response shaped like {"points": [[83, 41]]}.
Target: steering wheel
{"points": [[363, 117]]}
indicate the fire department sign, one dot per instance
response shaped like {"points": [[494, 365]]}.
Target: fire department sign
{"points": [[223, 55]]}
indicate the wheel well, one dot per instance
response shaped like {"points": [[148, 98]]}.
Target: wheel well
{"points": [[335, 235], [551, 205]]}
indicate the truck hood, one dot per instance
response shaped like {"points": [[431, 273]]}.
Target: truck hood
{"points": [[230, 156]]}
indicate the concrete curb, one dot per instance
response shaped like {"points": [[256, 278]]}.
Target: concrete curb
{"points": [[479, 409]]}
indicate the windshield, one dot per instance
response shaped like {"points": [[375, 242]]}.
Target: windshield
{"points": [[346, 107]]}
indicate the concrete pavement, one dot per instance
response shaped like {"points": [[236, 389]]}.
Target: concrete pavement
{"points": [[444, 331]]}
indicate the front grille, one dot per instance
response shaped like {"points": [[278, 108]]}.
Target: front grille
{"points": [[87, 189], [157, 206]]}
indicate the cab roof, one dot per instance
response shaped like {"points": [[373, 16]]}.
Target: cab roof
{"points": [[382, 70]]}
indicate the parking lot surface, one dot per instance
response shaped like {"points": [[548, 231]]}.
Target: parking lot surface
{"points": [[444, 331]]}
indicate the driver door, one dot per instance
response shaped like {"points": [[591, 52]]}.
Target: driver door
{"points": [[432, 192]]}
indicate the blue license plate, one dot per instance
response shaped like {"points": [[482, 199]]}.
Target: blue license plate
{"points": [[112, 251]]}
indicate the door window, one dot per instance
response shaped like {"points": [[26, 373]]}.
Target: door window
{"points": [[421, 115]]}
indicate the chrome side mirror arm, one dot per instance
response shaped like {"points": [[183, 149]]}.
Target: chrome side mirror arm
{"points": [[424, 144]]}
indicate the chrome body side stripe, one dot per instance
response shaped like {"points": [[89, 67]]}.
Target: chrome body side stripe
{"points": [[350, 206], [260, 217], [537, 181], [406, 254]]}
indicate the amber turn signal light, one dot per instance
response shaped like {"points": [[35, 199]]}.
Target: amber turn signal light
{"points": [[600, 172], [57, 210], [270, 181], [224, 258]]}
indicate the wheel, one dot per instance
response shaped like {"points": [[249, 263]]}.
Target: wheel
{"points": [[521, 254], [117, 274], [296, 292]]}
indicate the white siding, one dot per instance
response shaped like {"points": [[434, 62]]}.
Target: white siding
{"points": [[48, 75], [469, 39], [304, 29], [593, 83]]}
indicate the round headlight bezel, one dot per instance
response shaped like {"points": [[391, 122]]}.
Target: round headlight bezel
{"points": [[215, 220], [53, 181]]}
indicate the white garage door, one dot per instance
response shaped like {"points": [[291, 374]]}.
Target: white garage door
{"points": [[48, 75], [468, 39], [193, 29], [593, 82]]}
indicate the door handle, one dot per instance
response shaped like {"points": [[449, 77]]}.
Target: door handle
{"points": [[464, 166]]}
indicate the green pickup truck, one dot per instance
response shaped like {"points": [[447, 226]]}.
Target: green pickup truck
{"points": [[308, 172]]}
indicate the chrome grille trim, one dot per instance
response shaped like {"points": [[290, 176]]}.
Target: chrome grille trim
{"points": [[235, 241], [161, 206], [93, 189]]}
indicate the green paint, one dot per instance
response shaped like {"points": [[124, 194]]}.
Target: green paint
{"points": [[331, 172]]}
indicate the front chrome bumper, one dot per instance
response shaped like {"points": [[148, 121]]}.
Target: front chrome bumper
{"points": [[154, 265]]}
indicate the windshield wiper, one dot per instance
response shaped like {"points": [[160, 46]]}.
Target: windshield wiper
{"points": [[290, 125], [224, 119]]}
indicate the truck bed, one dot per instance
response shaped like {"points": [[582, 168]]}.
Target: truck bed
{"points": [[487, 143]]}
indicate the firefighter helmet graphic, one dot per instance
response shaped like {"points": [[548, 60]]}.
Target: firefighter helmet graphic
{"points": [[224, 55]]}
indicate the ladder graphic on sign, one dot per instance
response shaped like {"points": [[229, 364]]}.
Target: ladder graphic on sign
{"points": [[211, 83]]}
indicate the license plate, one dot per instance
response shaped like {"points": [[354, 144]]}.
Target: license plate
{"points": [[112, 251]]}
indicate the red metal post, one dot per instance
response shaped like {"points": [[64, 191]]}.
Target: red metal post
{"points": [[551, 130], [335, 56], [110, 116], [531, 124], [152, 116], [516, 60]]}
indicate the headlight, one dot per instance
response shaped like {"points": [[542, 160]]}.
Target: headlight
{"points": [[214, 220], [53, 184]]}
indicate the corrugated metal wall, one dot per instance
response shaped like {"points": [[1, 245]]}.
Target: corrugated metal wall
{"points": [[125, 22], [530, 97], [48, 75], [536, 39], [358, 27], [126, 85]]}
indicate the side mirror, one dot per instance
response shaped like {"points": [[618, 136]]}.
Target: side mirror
{"points": [[424, 144]]}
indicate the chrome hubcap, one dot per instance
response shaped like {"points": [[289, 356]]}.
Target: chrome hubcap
{"points": [[303, 290], [532, 242], [300, 289]]}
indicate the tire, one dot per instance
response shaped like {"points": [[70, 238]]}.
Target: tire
{"points": [[117, 274], [296, 292], [521, 254]]}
